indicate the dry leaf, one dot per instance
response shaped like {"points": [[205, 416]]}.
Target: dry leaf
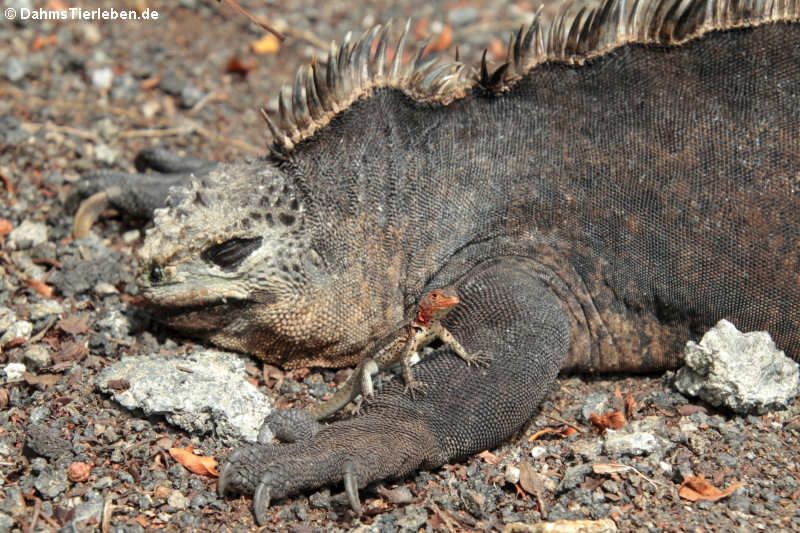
{"points": [[75, 324], [397, 496], [565, 431], [489, 457], [199, 464], [268, 44], [630, 405], [41, 287], [5, 227], [533, 482], [40, 42], [612, 420], [696, 488]]}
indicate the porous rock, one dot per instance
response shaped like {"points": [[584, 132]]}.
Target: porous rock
{"points": [[201, 392], [744, 372]]}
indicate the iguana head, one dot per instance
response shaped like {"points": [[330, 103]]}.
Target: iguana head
{"points": [[237, 257], [230, 259]]}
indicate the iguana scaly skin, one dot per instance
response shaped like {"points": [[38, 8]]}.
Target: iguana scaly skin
{"points": [[423, 330], [627, 178]]}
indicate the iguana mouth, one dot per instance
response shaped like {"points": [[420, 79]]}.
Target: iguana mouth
{"points": [[201, 319]]}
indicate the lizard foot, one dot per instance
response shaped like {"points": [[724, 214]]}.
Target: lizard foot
{"points": [[413, 386], [478, 358]]}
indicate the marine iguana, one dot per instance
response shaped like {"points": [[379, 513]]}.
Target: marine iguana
{"points": [[626, 179], [423, 330]]}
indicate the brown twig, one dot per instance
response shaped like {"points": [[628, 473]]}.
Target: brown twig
{"points": [[37, 508], [235, 5]]}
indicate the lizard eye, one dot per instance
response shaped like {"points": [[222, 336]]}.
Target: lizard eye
{"points": [[230, 254]]}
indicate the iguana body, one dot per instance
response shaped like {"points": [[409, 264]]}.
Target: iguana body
{"points": [[423, 330], [628, 178]]}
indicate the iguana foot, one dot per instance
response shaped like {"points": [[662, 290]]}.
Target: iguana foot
{"points": [[137, 195]]}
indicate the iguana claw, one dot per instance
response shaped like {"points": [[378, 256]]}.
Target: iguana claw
{"points": [[261, 503], [88, 213], [225, 477], [350, 478]]}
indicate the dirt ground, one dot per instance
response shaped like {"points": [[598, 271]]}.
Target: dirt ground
{"points": [[76, 95]]}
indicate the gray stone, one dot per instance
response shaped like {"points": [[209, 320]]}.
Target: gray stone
{"points": [[7, 317], [19, 329], [37, 357], [6, 522], [102, 78], [512, 474], [537, 452], [45, 308], [625, 443], [190, 96], [51, 482], [116, 323], [587, 449], [15, 69], [573, 477], [201, 392], [28, 235], [89, 511], [103, 289], [14, 371], [104, 154], [594, 403], [130, 237], [463, 16], [177, 501], [744, 372]]}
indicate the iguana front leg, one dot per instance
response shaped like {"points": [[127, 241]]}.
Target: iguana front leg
{"points": [[423, 329], [505, 311]]}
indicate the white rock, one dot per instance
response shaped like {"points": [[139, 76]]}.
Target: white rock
{"points": [[28, 235], [744, 372], [201, 392]]}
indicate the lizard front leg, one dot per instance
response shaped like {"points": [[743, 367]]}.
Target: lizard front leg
{"points": [[505, 311]]}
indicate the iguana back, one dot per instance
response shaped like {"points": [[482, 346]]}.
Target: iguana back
{"points": [[658, 184]]}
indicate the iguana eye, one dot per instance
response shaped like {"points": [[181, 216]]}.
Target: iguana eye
{"points": [[230, 254], [156, 274]]}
